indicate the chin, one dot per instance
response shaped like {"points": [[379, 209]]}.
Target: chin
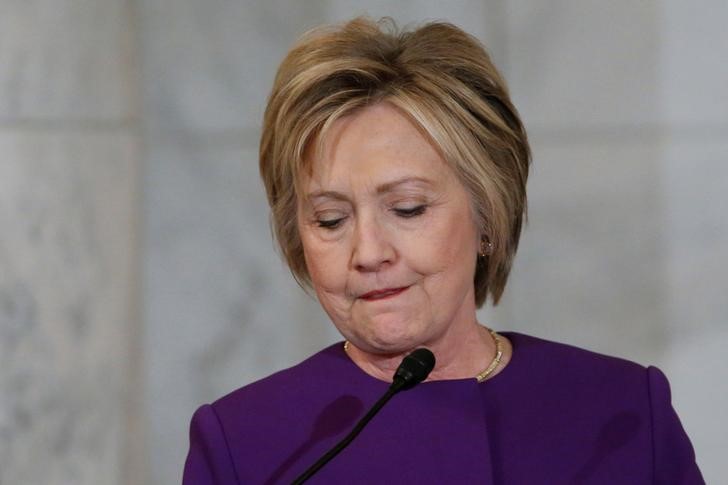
{"points": [[392, 337]]}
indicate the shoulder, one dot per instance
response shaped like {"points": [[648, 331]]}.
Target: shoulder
{"points": [[258, 426], [572, 380], [275, 393], [260, 419], [585, 385], [616, 402], [551, 359]]}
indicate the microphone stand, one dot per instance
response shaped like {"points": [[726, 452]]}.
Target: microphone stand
{"points": [[413, 370], [349, 438]]}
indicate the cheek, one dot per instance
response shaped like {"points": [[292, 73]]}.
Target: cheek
{"points": [[326, 266], [445, 247], [329, 282]]}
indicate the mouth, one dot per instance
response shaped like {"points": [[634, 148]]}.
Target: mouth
{"points": [[383, 294]]}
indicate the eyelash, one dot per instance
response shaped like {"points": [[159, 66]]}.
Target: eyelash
{"points": [[407, 213], [411, 211], [330, 223]]}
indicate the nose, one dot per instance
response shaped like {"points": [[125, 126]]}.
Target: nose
{"points": [[372, 248]]}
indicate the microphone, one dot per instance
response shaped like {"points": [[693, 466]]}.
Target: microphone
{"points": [[414, 369]]}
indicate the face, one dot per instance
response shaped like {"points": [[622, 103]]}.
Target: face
{"points": [[388, 234]]}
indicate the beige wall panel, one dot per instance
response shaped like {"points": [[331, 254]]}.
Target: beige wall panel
{"points": [[66, 60], [67, 299], [209, 65], [693, 81], [584, 64]]}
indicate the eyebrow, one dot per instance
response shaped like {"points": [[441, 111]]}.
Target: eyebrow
{"points": [[382, 189]]}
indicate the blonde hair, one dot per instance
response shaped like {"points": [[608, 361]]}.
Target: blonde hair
{"points": [[444, 80]]}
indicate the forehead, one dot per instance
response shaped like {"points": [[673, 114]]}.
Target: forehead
{"points": [[375, 145]]}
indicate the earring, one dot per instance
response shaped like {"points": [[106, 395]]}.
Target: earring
{"points": [[486, 247]]}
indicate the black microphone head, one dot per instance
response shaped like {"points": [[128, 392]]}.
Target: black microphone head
{"points": [[414, 369]]}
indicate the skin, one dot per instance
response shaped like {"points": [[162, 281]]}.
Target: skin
{"points": [[381, 210]]}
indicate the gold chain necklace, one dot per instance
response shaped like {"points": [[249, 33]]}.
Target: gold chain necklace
{"points": [[496, 360], [482, 376]]}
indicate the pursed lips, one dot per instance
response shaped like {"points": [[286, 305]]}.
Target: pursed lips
{"points": [[383, 293]]}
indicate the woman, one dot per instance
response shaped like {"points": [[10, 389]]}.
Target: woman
{"points": [[395, 166]]}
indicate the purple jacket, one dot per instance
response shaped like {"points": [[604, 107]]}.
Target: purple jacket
{"points": [[556, 414]]}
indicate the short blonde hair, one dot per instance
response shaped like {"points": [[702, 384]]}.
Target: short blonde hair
{"points": [[438, 75]]}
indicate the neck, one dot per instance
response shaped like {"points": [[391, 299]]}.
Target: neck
{"points": [[461, 353]]}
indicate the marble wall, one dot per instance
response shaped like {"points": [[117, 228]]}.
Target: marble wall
{"points": [[70, 341], [128, 167]]}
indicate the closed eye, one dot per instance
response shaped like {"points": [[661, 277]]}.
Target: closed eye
{"points": [[408, 212], [330, 223]]}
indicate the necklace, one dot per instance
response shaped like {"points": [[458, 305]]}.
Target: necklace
{"points": [[496, 360], [482, 376]]}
